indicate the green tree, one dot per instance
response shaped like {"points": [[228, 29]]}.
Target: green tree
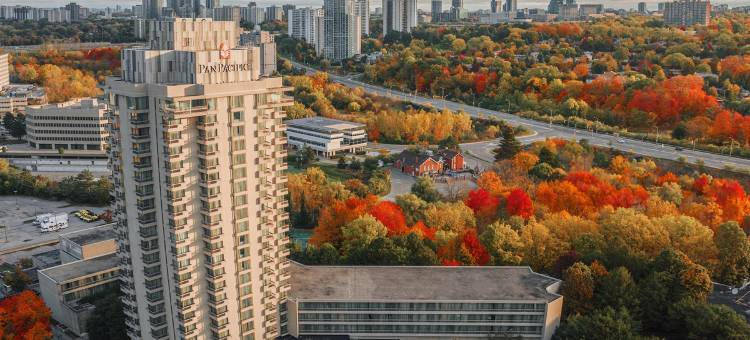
{"points": [[616, 289], [17, 279], [509, 145], [362, 231], [578, 289], [503, 244], [424, 188], [734, 254], [107, 322], [606, 323], [689, 319], [412, 206], [379, 182]]}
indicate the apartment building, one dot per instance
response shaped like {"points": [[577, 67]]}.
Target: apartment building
{"points": [[400, 302], [343, 37], [326, 136], [265, 41], [687, 12], [436, 9], [399, 15], [307, 23], [4, 70], [79, 124], [197, 153], [89, 265], [362, 10]]}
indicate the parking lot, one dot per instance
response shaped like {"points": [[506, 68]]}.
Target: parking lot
{"points": [[18, 212]]}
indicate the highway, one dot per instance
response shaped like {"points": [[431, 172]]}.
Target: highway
{"points": [[543, 130]]}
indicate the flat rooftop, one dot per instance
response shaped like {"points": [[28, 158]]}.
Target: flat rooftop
{"points": [[408, 283], [48, 258], [91, 235], [324, 124], [81, 268]]}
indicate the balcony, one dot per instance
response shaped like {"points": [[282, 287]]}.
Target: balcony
{"points": [[140, 136]]}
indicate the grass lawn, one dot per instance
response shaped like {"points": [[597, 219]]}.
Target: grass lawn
{"points": [[330, 170]]}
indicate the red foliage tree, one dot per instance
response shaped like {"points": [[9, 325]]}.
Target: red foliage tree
{"points": [[519, 204], [392, 217], [423, 230], [470, 241], [24, 316], [483, 204], [341, 212]]}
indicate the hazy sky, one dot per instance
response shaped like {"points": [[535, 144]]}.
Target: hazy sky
{"points": [[423, 4]]}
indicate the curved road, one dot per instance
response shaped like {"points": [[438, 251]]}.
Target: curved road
{"points": [[544, 130]]}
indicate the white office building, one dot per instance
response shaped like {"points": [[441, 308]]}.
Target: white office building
{"points": [[326, 136], [304, 23], [410, 303], [197, 156], [362, 10], [343, 37], [399, 15], [79, 124]]}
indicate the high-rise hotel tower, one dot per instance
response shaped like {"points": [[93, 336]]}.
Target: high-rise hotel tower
{"points": [[197, 154]]}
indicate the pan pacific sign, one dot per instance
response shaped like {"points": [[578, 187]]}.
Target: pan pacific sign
{"points": [[223, 68]]}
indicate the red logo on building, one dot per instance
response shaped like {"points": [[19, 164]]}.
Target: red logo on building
{"points": [[224, 52]]}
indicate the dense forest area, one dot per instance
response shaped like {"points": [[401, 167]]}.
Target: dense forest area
{"points": [[28, 32]]}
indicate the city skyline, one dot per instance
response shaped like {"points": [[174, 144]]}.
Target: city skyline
{"points": [[421, 4]]}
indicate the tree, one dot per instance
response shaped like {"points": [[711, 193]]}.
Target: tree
{"points": [[454, 217], [616, 289], [578, 289], [107, 322], [17, 279], [490, 182], [483, 204], [24, 316], [606, 323], [518, 203], [391, 216], [503, 244], [362, 231], [424, 188], [734, 254], [412, 206], [689, 319], [509, 145], [629, 231], [305, 156]]}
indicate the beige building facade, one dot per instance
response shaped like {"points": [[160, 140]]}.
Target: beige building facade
{"points": [[79, 124], [4, 70], [197, 154]]}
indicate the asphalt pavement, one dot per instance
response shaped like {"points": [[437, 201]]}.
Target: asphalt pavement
{"points": [[545, 130]]}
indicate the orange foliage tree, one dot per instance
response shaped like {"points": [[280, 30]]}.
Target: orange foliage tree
{"points": [[519, 203], [483, 204], [24, 316]]}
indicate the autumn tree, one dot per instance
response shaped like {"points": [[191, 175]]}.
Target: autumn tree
{"points": [[483, 204], [606, 323], [690, 319], [734, 254], [391, 216], [24, 316], [424, 188], [519, 203], [503, 244], [362, 231], [578, 289]]}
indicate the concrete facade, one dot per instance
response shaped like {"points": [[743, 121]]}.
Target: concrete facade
{"points": [[326, 136], [399, 15], [197, 154], [75, 125], [687, 12], [343, 37], [4, 70]]}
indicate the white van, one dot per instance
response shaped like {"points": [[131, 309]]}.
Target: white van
{"points": [[54, 223]]}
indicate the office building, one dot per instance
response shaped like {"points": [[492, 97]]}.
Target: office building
{"points": [[568, 12], [400, 302], [493, 6], [362, 10], [213, 4], [151, 9], [87, 265], [327, 137], [4, 71], [642, 7], [586, 10], [304, 23], [457, 3], [197, 159], [79, 124], [285, 10], [227, 13], [75, 11], [341, 29], [274, 13], [399, 15], [15, 98], [436, 10], [554, 6], [184, 8], [510, 6], [257, 15], [687, 12], [265, 41]]}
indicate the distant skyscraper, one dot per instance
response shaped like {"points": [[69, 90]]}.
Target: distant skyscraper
{"points": [[303, 23], [274, 13], [399, 15], [362, 10], [457, 3], [437, 10], [642, 7], [286, 8], [75, 11], [687, 12], [493, 6], [213, 4], [510, 6], [554, 6], [152, 9], [342, 30], [185, 8], [197, 158]]}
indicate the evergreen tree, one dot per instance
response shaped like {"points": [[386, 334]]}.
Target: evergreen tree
{"points": [[509, 145]]}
